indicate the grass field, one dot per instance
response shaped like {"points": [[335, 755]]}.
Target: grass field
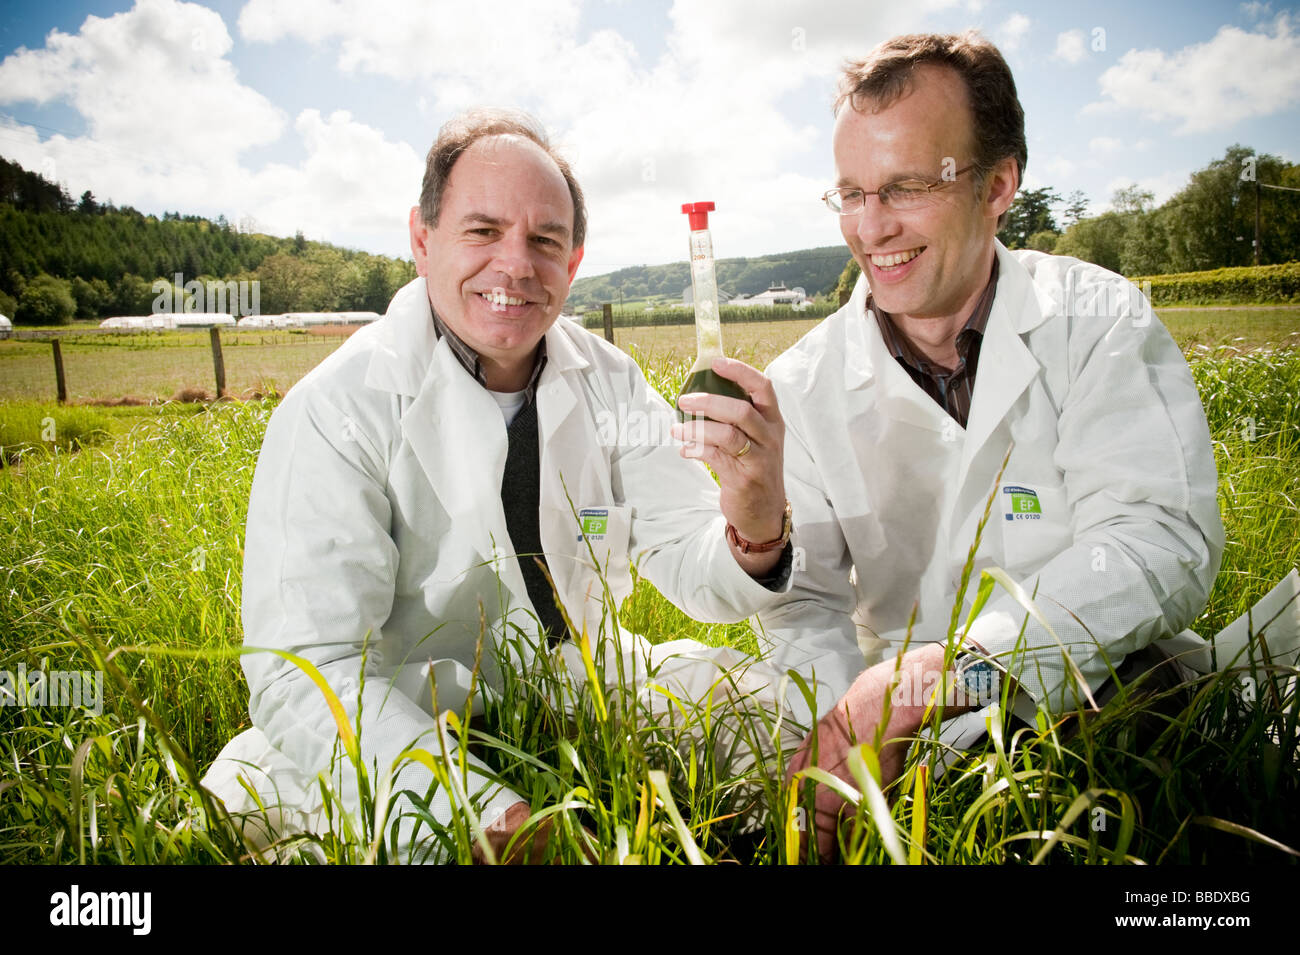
{"points": [[159, 365], [125, 556]]}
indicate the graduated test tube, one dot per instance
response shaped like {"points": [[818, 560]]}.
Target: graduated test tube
{"points": [[708, 327]]}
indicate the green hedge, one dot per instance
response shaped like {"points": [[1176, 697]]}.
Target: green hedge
{"points": [[1249, 285], [729, 314]]}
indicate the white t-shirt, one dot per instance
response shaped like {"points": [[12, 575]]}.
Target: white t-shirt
{"points": [[510, 403]]}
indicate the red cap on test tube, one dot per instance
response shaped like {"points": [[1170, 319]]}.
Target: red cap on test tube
{"points": [[699, 213]]}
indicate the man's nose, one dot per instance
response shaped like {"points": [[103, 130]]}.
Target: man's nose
{"points": [[875, 225], [514, 256]]}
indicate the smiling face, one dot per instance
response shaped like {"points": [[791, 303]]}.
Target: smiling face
{"points": [[932, 262], [499, 262]]}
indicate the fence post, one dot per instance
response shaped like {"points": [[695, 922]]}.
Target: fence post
{"points": [[607, 310], [60, 380], [218, 362]]}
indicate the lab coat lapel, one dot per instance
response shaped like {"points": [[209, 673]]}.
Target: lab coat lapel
{"points": [[572, 464], [459, 438], [1006, 366], [899, 398]]}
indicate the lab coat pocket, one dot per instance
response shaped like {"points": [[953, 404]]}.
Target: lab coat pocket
{"points": [[1035, 524], [604, 534]]}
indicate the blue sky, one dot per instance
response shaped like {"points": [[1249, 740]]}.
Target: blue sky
{"points": [[315, 114]]}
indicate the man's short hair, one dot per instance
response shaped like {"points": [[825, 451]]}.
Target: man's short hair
{"points": [[885, 75], [462, 131]]}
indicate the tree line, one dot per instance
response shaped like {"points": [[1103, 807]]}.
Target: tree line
{"points": [[62, 259], [1208, 224]]}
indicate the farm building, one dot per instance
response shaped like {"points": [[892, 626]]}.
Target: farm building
{"points": [[165, 321], [203, 320], [776, 294], [139, 322], [297, 319], [688, 296], [6, 326], [304, 319]]}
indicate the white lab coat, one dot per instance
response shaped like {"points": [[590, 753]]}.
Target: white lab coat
{"points": [[1113, 517], [376, 509]]}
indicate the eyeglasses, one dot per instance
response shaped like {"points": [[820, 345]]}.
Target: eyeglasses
{"points": [[902, 195]]}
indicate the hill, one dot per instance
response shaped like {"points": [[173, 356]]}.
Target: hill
{"points": [[63, 257], [815, 270]]}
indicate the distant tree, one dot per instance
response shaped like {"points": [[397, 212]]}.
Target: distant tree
{"points": [[87, 205], [1044, 241], [848, 278], [1211, 221], [1145, 250], [46, 301], [376, 292], [1099, 240], [8, 305], [1030, 212], [94, 297], [132, 295], [1132, 200], [1076, 207]]}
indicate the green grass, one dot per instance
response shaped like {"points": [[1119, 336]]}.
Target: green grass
{"points": [[1240, 327], [127, 556]]}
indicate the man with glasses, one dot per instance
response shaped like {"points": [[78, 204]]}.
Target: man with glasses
{"points": [[963, 387]]}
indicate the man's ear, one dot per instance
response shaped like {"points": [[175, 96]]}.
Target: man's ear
{"points": [[1002, 184], [574, 260], [419, 241]]}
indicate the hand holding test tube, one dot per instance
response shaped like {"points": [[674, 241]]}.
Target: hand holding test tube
{"points": [[742, 442]]}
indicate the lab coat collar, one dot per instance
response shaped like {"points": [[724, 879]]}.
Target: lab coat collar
{"points": [[451, 410], [561, 353], [859, 353], [458, 435], [1006, 365], [407, 341]]}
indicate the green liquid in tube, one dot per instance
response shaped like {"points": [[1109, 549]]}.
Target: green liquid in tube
{"points": [[708, 329]]}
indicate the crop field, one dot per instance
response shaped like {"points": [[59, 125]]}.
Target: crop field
{"points": [[153, 366], [121, 551]]}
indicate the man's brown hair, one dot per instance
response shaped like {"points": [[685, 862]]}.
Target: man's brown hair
{"points": [[462, 131], [886, 74]]}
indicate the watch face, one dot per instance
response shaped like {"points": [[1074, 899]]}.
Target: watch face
{"points": [[980, 681]]}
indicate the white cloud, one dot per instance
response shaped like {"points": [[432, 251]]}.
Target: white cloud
{"points": [[1059, 168], [352, 177], [1070, 47], [1010, 34], [703, 121], [1207, 86], [1256, 10], [126, 75], [1104, 145], [709, 117]]}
